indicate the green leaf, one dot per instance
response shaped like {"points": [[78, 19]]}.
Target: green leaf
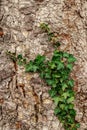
{"points": [[54, 85], [52, 92], [49, 82], [45, 27], [52, 82], [65, 94], [66, 107], [64, 86], [78, 125], [62, 106], [57, 100], [63, 114], [39, 59], [60, 66], [74, 128], [57, 54], [19, 62], [30, 67], [19, 56], [47, 75], [61, 80], [70, 120], [42, 75], [69, 66], [12, 56], [70, 100], [52, 65], [57, 111], [35, 68], [73, 112], [71, 92], [50, 35], [71, 83], [65, 54], [71, 58], [71, 106], [56, 76]]}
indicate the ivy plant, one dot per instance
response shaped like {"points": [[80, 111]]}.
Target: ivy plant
{"points": [[56, 73]]}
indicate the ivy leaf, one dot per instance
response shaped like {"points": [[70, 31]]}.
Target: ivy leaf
{"points": [[71, 106], [54, 85], [42, 75], [66, 107], [60, 66], [71, 58], [57, 111], [52, 92], [62, 106], [47, 75], [64, 86], [70, 120], [65, 55], [57, 100], [21, 60], [74, 128], [50, 35], [72, 93], [78, 125], [56, 76], [70, 100], [57, 54], [49, 82], [12, 56], [69, 66], [35, 68], [52, 65], [65, 94], [71, 83], [63, 114], [73, 112], [61, 80], [39, 60], [45, 27], [19, 56], [30, 67]]}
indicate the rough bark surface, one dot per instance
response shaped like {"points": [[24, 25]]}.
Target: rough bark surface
{"points": [[24, 100]]}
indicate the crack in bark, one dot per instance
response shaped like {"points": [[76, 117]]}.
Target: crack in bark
{"points": [[22, 87], [36, 105]]}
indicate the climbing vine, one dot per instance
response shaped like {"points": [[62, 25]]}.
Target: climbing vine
{"points": [[56, 73]]}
